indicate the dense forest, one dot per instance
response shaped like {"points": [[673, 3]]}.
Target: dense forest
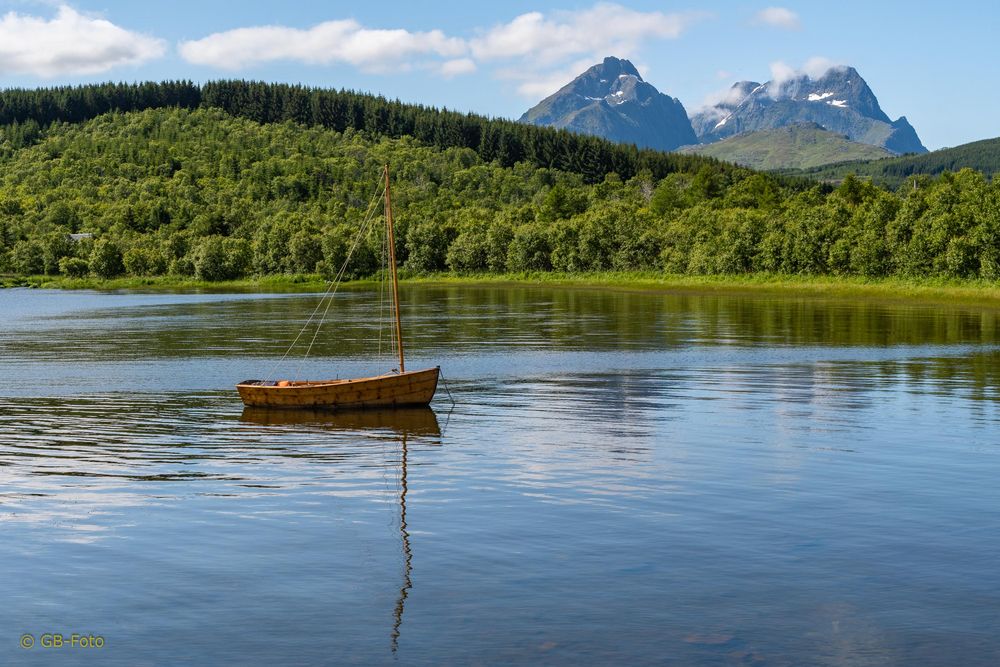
{"points": [[237, 179], [894, 172], [24, 112]]}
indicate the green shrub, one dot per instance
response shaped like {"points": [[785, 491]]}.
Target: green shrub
{"points": [[209, 259], [74, 267], [143, 260], [106, 259], [28, 258], [529, 249]]}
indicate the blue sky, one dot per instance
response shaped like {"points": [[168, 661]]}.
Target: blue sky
{"points": [[933, 64]]}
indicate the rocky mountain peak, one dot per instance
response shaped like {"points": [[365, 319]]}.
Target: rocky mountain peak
{"points": [[839, 87], [839, 100], [616, 67], [611, 100]]}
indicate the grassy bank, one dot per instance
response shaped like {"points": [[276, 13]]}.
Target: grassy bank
{"points": [[938, 291], [276, 283], [925, 290]]}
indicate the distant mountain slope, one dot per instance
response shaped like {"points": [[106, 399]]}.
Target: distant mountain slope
{"points": [[840, 101], [983, 156], [611, 100], [797, 146]]}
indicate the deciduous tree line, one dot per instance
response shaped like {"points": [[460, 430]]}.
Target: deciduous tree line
{"points": [[201, 192]]}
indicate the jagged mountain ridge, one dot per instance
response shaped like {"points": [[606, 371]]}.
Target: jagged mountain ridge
{"points": [[611, 100], [840, 101]]}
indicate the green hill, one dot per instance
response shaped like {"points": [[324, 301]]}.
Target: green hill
{"points": [[25, 113], [983, 156], [794, 147], [200, 192], [193, 190]]}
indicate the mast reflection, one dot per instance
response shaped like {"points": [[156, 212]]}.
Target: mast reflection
{"points": [[404, 590], [404, 422]]}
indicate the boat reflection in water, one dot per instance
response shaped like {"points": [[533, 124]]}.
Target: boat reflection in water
{"points": [[420, 421], [404, 423]]}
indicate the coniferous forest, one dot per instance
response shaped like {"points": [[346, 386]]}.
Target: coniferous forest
{"points": [[233, 179]]}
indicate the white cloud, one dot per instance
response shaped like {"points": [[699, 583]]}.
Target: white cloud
{"points": [[549, 50], [537, 51], [539, 84], [70, 43], [325, 43], [814, 68], [603, 29], [782, 72], [728, 96], [457, 67], [817, 66], [778, 17]]}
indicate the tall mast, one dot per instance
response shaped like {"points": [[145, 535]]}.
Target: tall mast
{"points": [[392, 263]]}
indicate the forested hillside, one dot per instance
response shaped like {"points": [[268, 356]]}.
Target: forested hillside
{"points": [[197, 191], [983, 156], [805, 145], [177, 190], [24, 112]]}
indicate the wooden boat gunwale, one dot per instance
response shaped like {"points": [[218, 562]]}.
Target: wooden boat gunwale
{"points": [[274, 384], [392, 389]]}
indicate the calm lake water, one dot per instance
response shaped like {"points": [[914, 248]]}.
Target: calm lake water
{"points": [[625, 478]]}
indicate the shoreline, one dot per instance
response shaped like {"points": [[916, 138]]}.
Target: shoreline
{"points": [[937, 291]]}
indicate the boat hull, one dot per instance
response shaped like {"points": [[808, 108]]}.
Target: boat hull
{"points": [[392, 389]]}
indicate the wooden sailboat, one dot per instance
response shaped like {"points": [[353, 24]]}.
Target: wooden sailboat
{"points": [[394, 389]]}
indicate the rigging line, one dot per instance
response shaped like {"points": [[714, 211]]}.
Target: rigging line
{"points": [[340, 275], [371, 207], [332, 286], [387, 315], [387, 312], [390, 302], [383, 266]]}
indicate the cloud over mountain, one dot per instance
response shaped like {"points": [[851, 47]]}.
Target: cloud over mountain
{"points": [[834, 97], [605, 27], [545, 51]]}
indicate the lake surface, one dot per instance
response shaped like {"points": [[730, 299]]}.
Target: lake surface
{"points": [[625, 478]]}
